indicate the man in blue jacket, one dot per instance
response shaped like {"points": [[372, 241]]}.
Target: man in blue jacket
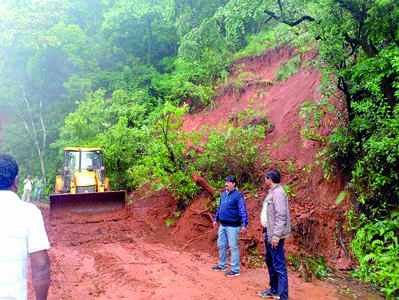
{"points": [[233, 217]]}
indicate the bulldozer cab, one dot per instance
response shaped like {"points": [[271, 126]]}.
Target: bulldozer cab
{"points": [[84, 171], [83, 185]]}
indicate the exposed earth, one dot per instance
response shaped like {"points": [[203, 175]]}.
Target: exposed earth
{"points": [[134, 254]]}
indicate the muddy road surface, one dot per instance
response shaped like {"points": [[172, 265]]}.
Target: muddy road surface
{"points": [[131, 254]]}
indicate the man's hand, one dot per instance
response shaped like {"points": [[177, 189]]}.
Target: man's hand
{"points": [[274, 244], [243, 230]]}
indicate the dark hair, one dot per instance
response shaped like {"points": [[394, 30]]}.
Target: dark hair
{"points": [[231, 179], [8, 171], [274, 175]]}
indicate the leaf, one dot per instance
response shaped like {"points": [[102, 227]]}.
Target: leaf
{"points": [[341, 197]]}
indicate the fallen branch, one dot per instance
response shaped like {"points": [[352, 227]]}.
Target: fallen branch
{"points": [[201, 182]]}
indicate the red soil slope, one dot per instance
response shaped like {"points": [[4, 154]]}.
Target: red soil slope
{"points": [[316, 219]]}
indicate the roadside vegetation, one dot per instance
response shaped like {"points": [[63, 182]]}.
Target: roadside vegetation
{"points": [[121, 74]]}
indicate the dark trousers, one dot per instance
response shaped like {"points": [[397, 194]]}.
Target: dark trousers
{"points": [[275, 261]]}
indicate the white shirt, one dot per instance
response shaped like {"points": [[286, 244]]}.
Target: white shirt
{"points": [[263, 214], [22, 232], [27, 184]]}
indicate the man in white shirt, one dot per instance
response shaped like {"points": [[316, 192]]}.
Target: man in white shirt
{"points": [[27, 188], [22, 235]]}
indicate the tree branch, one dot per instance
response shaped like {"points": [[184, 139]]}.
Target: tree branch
{"points": [[200, 181], [292, 24]]}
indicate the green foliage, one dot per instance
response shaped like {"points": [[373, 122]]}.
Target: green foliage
{"points": [[307, 266], [169, 222], [319, 268], [191, 81], [376, 247], [170, 163], [370, 154], [231, 150], [141, 55], [289, 191], [376, 174], [116, 123], [255, 258], [266, 39], [341, 197], [164, 163], [357, 48], [315, 116], [288, 68]]}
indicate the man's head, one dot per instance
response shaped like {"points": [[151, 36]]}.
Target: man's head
{"points": [[231, 182], [272, 177], [8, 172]]}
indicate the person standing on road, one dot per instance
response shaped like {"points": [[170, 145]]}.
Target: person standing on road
{"points": [[22, 235], [233, 217], [38, 183], [27, 189], [275, 219]]}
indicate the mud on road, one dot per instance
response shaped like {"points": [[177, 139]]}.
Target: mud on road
{"points": [[131, 254]]}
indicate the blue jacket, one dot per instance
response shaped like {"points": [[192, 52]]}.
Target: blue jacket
{"points": [[232, 210]]}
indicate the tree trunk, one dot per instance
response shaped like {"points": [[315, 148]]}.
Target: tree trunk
{"points": [[33, 132], [201, 182]]}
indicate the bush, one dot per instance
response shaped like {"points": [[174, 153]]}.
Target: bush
{"points": [[377, 249], [376, 174], [231, 150], [369, 154], [168, 161]]}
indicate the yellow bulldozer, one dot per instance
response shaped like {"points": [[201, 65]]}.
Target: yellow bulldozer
{"points": [[84, 186]]}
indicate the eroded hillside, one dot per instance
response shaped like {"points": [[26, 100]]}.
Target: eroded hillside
{"points": [[317, 221]]}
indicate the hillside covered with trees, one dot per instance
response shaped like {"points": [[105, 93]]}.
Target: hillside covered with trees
{"points": [[122, 75]]}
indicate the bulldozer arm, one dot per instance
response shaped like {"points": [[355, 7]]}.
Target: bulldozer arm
{"points": [[87, 202]]}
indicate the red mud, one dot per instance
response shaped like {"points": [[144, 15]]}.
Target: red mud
{"points": [[133, 254]]}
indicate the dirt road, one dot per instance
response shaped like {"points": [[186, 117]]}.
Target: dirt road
{"points": [[121, 255]]}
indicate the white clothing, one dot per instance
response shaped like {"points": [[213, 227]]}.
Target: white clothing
{"points": [[263, 214], [22, 232], [27, 185]]}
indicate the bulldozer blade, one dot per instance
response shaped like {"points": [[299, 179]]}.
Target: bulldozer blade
{"points": [[88, 202]]}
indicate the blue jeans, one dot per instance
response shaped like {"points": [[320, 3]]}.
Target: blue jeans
{"points": [[37, 193], [228, 235], [275, 261]]}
